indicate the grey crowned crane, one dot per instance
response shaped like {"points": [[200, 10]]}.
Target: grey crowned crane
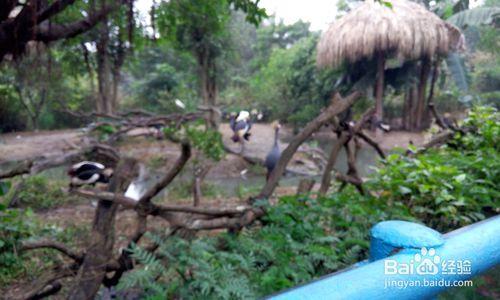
{"points": [[241, 125], [274, 155], [89, 172]]}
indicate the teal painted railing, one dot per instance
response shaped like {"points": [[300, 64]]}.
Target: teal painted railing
{"points": [[410, 261]]}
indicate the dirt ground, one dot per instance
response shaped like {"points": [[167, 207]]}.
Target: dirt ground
{"points": [[22, 145]]}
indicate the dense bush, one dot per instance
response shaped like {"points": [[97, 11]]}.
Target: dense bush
{"points": [[13, 228], [290, 86], [39, 193], [301, 239], [451, 186]]}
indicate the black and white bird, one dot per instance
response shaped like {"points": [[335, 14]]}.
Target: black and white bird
{"points": [[385, 127], [274, 155], [241, 125], [89, 172]]}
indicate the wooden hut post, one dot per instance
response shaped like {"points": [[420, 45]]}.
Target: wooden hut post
{"points": [[379, 86], [422, 85]]}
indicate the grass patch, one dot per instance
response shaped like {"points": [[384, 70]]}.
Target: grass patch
{"points": [[39, 193]]}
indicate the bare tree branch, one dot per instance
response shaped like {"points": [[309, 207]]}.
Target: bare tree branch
{"points": [[171, 174], [345, 136], [372, 143], [439, 120], [51, 32], [337, 106], [33, 166], [55, 8], [48, 284], [77, 256], [159, 209]]}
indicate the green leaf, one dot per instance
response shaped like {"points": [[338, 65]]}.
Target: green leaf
{"points": [[460, 178], [5, 187], [404, 190]]}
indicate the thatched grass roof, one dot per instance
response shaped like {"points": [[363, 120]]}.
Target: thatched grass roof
{"points": [[406, 31]]}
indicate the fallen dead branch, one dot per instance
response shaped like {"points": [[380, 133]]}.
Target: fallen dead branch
{"points": [[62, 248], [98, 152]]}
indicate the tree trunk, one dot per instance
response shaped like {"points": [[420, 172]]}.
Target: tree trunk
{"points": [[332, 159], [100, 251], [413, 111], [379, 88], [104, 104], [422, 85], [199, 175], [116, 72], [305, 186], [208, 81], [435, 74], [86, 57]]}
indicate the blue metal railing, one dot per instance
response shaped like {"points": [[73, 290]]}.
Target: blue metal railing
{"points": [[402, 267]]}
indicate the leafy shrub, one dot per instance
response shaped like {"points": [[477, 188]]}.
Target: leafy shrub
{"points": [[14, 226], [301, 239], [39, 193], [452, 186]]}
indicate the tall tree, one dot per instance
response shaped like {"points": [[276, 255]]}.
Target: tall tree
{"points": [[200, 27]]}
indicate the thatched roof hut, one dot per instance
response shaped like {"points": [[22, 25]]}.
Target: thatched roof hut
{"points": [[395, 29], [406, 31]]}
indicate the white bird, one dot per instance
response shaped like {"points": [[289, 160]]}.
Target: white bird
{"points": [[241, 126], [133, 191], [180, 104], [243, 174], [136, 187], [243, 116]]}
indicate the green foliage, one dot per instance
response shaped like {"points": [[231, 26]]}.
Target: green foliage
{"points": [[291, 86], [458, 71], [300, 240], [161, 75], [475, 17], [4, 187], [103, 131], [452, 186], [15, 226], [208, 141], [38, 193], [254, 13], [385, 3], [184, 190]]}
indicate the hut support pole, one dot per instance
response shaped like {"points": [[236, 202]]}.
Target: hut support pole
{"points": [[379, 86], [435, 74], [424, 75]]}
